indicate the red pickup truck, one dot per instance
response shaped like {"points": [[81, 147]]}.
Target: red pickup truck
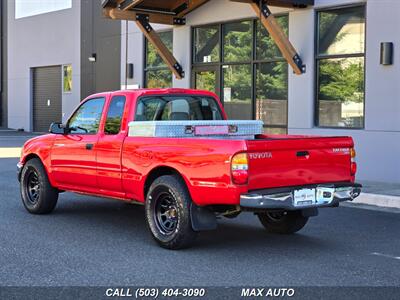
{"points": [[112, 147]]}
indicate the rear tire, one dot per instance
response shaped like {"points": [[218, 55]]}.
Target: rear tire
{"points": [[168, 213], [286, 222], [38, 196]]}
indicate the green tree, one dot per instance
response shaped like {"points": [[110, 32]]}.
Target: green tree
{"points": [[342, 79]]}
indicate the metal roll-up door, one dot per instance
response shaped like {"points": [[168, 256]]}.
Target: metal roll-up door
{"points": [[47, 107]]}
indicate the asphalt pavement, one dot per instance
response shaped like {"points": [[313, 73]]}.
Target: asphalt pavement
{"points": [[100, 242]]}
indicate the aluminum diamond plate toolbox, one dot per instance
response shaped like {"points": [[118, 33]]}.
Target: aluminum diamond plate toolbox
{"points": [[223, 129]]}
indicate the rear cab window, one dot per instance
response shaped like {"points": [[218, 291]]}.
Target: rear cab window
{"points": [[114, 115], [177, 108]]}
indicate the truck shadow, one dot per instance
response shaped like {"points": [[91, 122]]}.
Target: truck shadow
{"points": [[245, 236], [112, 217], [126, 222]]}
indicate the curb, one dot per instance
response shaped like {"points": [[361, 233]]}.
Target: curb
{"points": [[385, 201]]}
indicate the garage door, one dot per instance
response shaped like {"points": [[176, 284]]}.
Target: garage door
{"points": [[47, 87]]}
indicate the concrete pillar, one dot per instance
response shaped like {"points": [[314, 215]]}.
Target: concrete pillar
{"points": [[182, 52], [301, 87]]}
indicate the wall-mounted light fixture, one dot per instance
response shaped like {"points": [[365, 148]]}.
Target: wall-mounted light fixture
{"points": [[93, 58], [130, 71], [387, 54]]}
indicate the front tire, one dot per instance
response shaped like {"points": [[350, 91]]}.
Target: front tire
{"points": [[168, 213], [286, 222], [38, 196]]}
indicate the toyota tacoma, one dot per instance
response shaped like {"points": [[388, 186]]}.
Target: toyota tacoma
{"points": [[175, 152]]}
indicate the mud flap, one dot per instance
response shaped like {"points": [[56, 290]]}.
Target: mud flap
{"points": [[202, 218]]}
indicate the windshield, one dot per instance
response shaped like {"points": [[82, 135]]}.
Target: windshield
{"points": [[177, 108]]}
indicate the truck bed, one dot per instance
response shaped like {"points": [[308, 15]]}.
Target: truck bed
{"points": [[274, 160]]}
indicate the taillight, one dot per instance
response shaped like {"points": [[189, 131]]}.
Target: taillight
{"points": [[353, 166], [239, 168], [353, 154]]}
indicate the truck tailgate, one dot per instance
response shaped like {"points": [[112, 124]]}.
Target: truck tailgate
{"points": [[295, 161]]}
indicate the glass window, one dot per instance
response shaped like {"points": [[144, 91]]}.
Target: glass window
{"points": [[114, 115], [341, 31], [266, 48], [27, 8], [152, 57], [158, 78], [252, 83], [206, 80], [165, 108], [237, 86], [206, 44], [275, 130], [341, 67], [341, 92], [67, 78], [157, 74], [272, 93], [237, 41], [86, 119]]}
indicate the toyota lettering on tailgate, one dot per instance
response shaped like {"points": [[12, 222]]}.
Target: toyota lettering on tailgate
{"points": [[260, 155]]}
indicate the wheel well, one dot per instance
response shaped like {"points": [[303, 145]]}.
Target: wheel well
{"points": [[158, 172], [32, 156]]}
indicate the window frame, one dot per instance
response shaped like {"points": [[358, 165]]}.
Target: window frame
{"points": [[318, 58], [75, 111], [254, 62], [107, 114], [193, 47], [147, 69]]}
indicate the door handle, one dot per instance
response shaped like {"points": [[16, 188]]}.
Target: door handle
{"points": [[89, 146]]}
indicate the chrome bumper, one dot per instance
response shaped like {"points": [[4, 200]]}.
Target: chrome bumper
{"points": [[283, 198]]}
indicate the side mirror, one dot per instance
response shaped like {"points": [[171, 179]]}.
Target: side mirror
{"points": [[57, 128]]}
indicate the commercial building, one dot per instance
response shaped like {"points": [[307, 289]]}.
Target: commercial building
{"points": [[49, 46], [350, 85]]}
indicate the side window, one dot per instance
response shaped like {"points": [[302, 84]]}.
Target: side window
{"points": [[86, 119], [114, 115]]}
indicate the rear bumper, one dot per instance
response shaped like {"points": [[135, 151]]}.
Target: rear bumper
{"points": [[283, 198]]}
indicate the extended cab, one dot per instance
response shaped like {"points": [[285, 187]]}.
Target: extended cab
{"points": [[174, 151]]}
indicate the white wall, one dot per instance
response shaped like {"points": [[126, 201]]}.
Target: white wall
{"points": [[378, 145], [135, 51], [48, 39]]}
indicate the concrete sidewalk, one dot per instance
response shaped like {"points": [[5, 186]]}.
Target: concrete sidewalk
{"points": [[379, 194], [15, 133], [381, 188]]}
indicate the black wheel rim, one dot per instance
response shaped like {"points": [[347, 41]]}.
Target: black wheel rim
{"points": [[33, 186], [277, 216], [166, 213]]}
